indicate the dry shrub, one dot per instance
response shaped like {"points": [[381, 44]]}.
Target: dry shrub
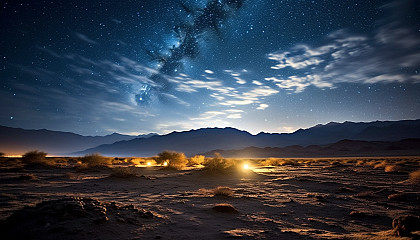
{"points": [[392, 168], [124, 172], [196, 160], [371, 163], [94, 160], [218, 164], [382, 164], [415, 176], [222, 191], [280, 162], [360, 163], [138, 161], [37, 158], [175, 160]]}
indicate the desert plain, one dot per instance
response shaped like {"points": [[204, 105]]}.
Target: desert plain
{"points": [[306, 198]]}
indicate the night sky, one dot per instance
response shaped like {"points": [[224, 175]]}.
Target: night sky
{"points": [[134, 67]]}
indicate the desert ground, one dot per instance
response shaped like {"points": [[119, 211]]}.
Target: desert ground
{"points": [[335, 198]]}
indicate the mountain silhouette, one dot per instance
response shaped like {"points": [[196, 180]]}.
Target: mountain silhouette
{"points": [[343, 148], [16, 141], [207, 139]]}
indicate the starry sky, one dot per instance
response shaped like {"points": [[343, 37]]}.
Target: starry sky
{"points": [[135, 67]]}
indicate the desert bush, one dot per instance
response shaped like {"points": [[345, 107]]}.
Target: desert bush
{"points": [[280, 162], [137, 161], [218, 163], [124, 172], [382, 164], [222, 191], [196, 160], [415, 176], [392, 168], [175, 160], [95, 160], [36, 158]]}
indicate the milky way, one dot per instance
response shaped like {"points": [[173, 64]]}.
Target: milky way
{"points": [[203, 20]]}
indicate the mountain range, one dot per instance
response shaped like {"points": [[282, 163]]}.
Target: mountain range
{"points": [[206, 140], [343, 148], [16, 141]]}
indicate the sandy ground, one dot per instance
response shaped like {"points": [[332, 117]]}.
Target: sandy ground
{"points": [[318, 200]]}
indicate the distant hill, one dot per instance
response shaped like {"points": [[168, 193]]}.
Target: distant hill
{"points": [[207, 139], [15, 141], [343, 148]]}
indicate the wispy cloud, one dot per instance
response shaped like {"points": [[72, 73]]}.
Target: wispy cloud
{"points": [[389, 55], [85, 38]]}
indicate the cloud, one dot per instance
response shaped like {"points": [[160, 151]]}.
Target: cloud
{"points": [[234, 116], [208, 71], [254, 95], [218, 115], [257, 82], [85, 38], [388, 55], [207, 115], [262, 106]]}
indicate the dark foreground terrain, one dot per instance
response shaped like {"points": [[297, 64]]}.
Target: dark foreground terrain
{"points": [[348, 198]]}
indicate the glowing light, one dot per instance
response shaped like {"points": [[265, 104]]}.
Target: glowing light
{"points": [[246, 166], [165, 164], [149, 164]]}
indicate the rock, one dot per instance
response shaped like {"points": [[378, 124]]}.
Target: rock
{"points": [[58, 218], [101, 220], [225, 208], [357, 214], [404, 225]]}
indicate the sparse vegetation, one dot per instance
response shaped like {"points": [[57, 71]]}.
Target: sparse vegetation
{"points": [[2, 154], [218, 163], [137, 161], [36, 158], [196, 160], [392, 168], [174, 160], [124, 172], [94, 160], [280, 162], [415, 176], [222, 191]]}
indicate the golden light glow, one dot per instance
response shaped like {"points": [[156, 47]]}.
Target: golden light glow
{"points": [[149, 164], [246, 166], [165, 164]]}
